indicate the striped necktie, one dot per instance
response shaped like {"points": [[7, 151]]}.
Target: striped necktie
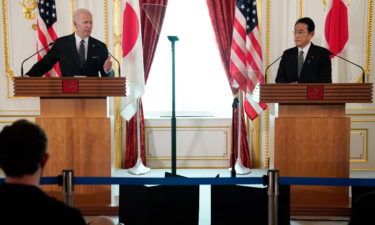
{"points": [[81, 53], [300, 62]]}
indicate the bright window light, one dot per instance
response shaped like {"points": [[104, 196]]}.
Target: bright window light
{"points": [[202, 88]]}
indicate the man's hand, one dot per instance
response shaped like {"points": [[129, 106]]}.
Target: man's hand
{"points": [[107, 64]]}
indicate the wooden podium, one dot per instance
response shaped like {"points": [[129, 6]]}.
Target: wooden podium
{"points": [[73, 112], [312, 139]]}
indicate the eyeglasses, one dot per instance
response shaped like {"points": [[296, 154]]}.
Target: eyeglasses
{"points": [[298, 32]]}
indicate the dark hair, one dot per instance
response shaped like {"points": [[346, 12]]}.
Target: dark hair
{"points": [[23, 146], [308, 21]]}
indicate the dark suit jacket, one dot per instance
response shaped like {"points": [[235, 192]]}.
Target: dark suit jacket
{"points": [[363, 211], [65, 52], [24, 204], [317, 65]]}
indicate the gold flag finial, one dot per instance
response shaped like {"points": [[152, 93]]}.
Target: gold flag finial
{"points": [[325, 4]]}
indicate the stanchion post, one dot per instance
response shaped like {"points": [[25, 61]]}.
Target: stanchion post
{"points": [[273, 196], [67, 186]]}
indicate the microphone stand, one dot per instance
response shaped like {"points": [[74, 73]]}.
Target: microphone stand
{"points": [[265, 73], [173, 39], [363, 71], [118, 63], [50, 44]]}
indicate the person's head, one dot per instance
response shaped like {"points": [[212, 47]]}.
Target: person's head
{"points": [[23, 149], [303, 31], [82, 21]]}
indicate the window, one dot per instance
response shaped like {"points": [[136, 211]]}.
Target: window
{"points": [[202, 88]]}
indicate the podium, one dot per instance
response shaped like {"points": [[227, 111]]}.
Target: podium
{"points": [[73, 113], [312, 139]]}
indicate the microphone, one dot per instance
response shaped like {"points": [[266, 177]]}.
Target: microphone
{"points": [[265, 73], [363, 71], [118, 63], [50, 44]]}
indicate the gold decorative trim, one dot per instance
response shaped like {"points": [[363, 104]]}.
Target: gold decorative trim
{"points": [[360, 109], [180, 159], [19, 110], [369, 39], [150, 127], [73, 8], [363, 132], [300, 8], [7, 121], [193, 167], [9, 73], [362, 169], [225, 156], [118, 134], [257, 161], [268, 46], [359, 114], [117, 18], [362, 120], [106, 36], [19, 115]]}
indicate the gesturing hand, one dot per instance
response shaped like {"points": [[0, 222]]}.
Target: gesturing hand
{"points": [[107, 64]]}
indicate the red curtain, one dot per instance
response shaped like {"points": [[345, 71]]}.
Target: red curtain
{"points": [[222, 15], [150, 37]]}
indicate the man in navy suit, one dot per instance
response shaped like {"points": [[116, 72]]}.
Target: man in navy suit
{"points": [[306, 62], [78, 53]]}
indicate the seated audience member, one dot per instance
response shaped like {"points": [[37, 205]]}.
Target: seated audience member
{"points": [[362, 211], [23, 155]]}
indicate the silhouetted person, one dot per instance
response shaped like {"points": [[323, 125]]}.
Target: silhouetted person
{"points": [[23, 155], [363, 211]]}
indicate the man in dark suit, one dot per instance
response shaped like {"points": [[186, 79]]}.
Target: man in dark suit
{"points": [[306, 62], [78, 53], [23, 156]]}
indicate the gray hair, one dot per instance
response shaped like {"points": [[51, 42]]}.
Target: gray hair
{"points": [[79, 11]]}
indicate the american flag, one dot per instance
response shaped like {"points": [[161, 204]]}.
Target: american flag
{"points": [[46, 25], [246, 61]]}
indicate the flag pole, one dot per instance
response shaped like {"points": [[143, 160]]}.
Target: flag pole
{"points": [[239, 167], [139, 168]]}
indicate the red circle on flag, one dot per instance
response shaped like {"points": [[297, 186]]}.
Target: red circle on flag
{"points": [[130, 29]]}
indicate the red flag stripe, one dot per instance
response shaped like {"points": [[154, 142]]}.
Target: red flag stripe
{"points": [[247, 72], [240, 64], [254, 42], [52, 33], [47, 17], [239, 53]]}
